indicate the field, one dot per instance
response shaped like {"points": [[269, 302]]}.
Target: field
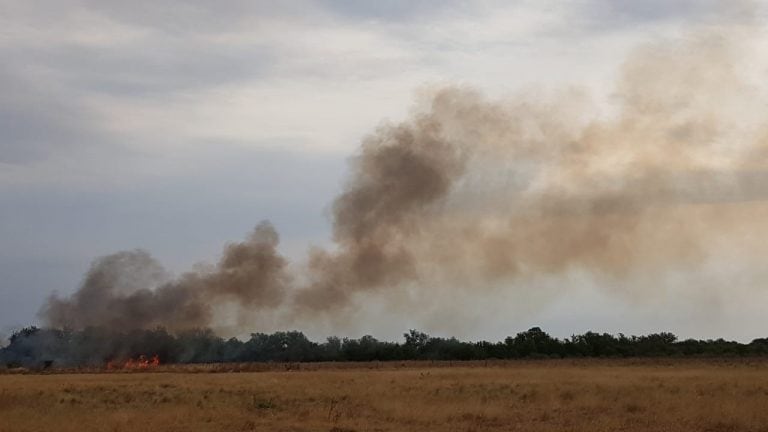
{"points": [[551, 395]]}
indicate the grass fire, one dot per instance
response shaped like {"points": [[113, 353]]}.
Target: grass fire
{"points": [[523, 177]]}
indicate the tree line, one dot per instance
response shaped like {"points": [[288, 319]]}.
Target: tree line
{"points": [[32, 346]]}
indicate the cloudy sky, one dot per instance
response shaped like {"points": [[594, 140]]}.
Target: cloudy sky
{"points": [[176, 126]]}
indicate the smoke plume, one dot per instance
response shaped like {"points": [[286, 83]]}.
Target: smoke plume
{"points": [[479, 191], [130, 290]]}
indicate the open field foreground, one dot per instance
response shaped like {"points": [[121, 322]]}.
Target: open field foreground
{"points": [[527, 396]]}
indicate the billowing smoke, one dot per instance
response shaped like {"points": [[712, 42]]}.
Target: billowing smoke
{"points": [[130, 290], [402, 173], [478, 191]]}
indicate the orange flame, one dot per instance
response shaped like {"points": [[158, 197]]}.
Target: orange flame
{"points": [[141, 363]]}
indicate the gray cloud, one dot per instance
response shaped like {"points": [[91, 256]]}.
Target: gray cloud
{"points": [[166, 66], [36, 121], [612, 14], [169, 48], [195, 16], [398, 10]]}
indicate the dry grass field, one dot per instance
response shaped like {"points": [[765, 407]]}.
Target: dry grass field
{"points": [[668, 395]]}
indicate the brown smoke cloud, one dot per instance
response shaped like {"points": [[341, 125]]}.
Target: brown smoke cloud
{"points": [[478, 191]]}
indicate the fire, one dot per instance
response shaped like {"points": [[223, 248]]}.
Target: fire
{"points": [[140, 363]]}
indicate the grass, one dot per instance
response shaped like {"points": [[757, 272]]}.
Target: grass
{"points": [[593, 395]]}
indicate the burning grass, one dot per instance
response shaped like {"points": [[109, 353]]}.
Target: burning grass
{"points": [[585, 395]]}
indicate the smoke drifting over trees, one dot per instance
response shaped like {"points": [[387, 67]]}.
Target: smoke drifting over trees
{"points": [[480, 192]]}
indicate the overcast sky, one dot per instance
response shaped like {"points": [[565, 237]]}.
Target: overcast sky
{"points": [[176, 126]]}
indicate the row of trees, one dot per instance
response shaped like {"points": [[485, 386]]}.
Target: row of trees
{"points": [[94, 346]]}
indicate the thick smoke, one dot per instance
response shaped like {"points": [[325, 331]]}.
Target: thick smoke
{"points": [[477, 192], [401, 174], [130, 290]]}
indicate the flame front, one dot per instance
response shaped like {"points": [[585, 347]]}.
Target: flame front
{"points": [[140, 363]]}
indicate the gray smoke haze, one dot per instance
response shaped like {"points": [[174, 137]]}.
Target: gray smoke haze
{"points": [[478, 191]]}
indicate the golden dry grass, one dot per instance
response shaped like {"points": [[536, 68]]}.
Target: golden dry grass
{"points": [[505, 396]]}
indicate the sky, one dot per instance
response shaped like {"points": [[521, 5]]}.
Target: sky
{"points": [[177, 126]]}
